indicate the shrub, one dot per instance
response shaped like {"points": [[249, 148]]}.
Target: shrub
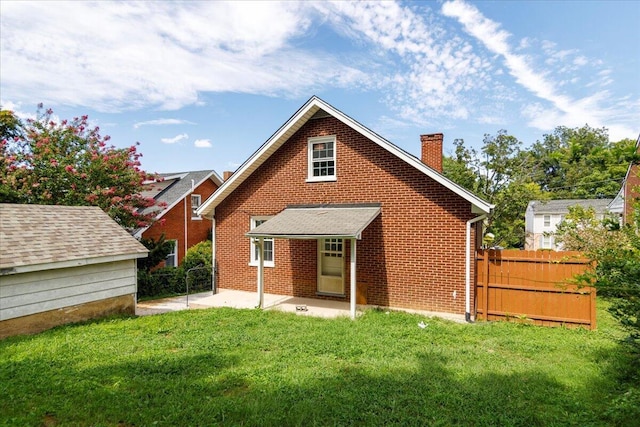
{"points": [[165, 281], [197, 266], [198, 255]]}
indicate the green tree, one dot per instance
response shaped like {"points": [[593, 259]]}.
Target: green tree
{"points": [[579, 163], [615, 252], [463, 167], [499, 175], [10, 125], [70, 163], [158, 251]]}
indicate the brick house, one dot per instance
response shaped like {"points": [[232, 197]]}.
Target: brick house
{"points": [[542, 218], [179, 195], [629, 192], [328, 209]]}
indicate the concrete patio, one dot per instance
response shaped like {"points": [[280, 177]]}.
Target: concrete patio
{"points": [[242, 299]]}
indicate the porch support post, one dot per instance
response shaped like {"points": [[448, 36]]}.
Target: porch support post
{"points": [[260, 243], [353, 278], [469, 252]]}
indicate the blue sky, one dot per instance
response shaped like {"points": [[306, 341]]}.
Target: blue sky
{"points": [[202, 85]]}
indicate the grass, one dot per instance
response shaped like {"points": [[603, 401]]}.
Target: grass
{"points": [[255, 368]]}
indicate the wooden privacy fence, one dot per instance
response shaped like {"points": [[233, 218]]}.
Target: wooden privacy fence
{"points": [[534, 286]]}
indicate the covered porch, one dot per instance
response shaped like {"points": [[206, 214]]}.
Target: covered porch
{"points": [[332, 225]]}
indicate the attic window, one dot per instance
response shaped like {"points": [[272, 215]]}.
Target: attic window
{"points": [[196, 201], [322, 158]]}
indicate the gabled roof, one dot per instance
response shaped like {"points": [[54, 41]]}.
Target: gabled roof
{"points": [[173, 188], [562, 205], [618, 204], [313, 106], [37, 237]]}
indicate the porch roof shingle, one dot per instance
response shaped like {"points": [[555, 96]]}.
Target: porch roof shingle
{"points": [[318, 221]]}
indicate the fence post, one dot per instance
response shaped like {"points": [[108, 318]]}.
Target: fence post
{"points": [[485, 266]]}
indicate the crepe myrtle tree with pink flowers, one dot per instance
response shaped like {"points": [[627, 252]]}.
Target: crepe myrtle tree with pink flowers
{"points": [[50, 162]]}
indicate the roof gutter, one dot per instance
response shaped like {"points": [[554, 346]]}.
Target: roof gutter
{"points": [[467, 267]]}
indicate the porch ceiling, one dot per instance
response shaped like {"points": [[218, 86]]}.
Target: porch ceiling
{"points": [[318, 221]]}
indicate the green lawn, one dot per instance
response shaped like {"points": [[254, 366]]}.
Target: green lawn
{"points": [[249, 367]]}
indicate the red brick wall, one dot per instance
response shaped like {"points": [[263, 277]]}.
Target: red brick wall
{"points": [[431, 154], [631, 193], [173, 224], [411, 256]]}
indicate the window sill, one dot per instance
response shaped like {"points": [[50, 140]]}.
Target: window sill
{"points": [[266, 264], [322, 179]]}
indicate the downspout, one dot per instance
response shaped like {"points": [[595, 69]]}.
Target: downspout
{"points": [[260, 244], [214, 288], [186, 235], [185, 227], [467, 267], [353, 288]]}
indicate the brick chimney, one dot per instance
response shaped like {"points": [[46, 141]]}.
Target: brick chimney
{"points": [[226, 175], [432, 150]]}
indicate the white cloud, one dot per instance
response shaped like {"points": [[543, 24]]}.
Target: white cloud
{"points": [[580, 61], [202, 143], [429, 72], [162, 122], [175, 139], [149, 54], [561, 108], [123, 56], [17, 109], [491, 120]]}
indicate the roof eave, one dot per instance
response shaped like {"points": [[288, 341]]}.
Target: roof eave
{"points": [[302, 236], [18, 269], [294, 123], [212, 176]]}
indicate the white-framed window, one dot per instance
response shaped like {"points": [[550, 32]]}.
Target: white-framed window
{"points": [[196, 201], [267, 242], [172, 259], [546, 241], [547, 220], [322, 158]]}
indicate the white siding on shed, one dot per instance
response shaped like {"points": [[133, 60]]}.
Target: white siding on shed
{"points": [[35, 292]]}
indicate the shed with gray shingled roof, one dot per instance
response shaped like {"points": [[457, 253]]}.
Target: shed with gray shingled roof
{"points": [[63, 263]]}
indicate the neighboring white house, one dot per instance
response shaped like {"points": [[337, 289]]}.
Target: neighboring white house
{"points": [[62, 264], [542, 219]]}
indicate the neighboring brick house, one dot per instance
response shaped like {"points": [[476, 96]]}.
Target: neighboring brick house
{"points": [[324, 185], [629, 192], [542, 219], [180, 194]]}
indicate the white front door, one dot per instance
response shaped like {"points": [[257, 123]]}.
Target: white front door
{"points": [[331, 266]]}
